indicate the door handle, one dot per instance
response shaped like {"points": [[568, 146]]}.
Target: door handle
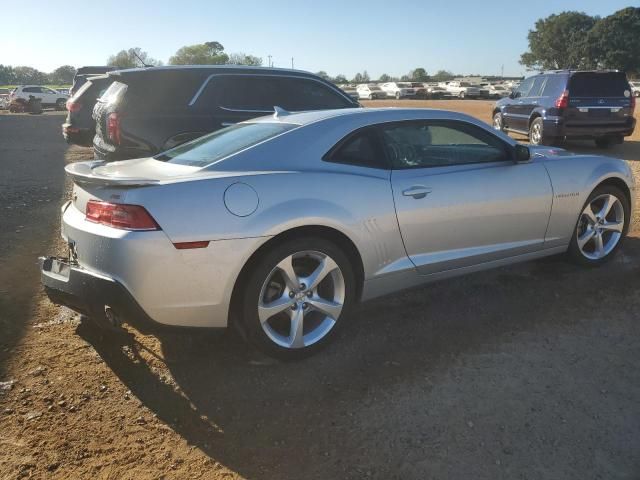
{"points": [[417, 192]]}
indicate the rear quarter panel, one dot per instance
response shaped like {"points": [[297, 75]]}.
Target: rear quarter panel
{"points": [[574, 177]]}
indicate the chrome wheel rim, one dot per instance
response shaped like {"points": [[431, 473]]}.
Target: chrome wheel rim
{"points": [[497, 121], [301, 299], [536, 133], [600, 226]]}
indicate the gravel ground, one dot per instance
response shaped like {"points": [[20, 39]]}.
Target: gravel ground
{"points": [[525, 372]]}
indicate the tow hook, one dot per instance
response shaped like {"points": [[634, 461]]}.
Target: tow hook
{"points": [[111, 317]]}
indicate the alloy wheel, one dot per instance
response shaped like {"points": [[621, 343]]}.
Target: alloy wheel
{"points": [[536, 133], [600, 226], [301, 299], [497, 121]]}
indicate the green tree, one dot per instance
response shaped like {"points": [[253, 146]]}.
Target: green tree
{"points": [[419, 75], [324, 75], [615, 41], [209, 53], [442, 76], [384, 78], [560, 41], [244, 59], [7, 75], [29, 75], [340, 79], [132, 58], [361, 77], [63, 75]]}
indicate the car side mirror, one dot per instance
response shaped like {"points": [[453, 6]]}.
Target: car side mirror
{"points": [[513, 94], [522, 153]]}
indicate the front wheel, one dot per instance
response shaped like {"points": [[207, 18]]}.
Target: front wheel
{"points": [[461, 95], [537, 135], [601, 227], [297, 296], [397, 95], [61, 104]]}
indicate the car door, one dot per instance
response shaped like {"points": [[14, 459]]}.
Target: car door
{"points": [[49, 97], [532, 100], [513, 114], [460, 198]]}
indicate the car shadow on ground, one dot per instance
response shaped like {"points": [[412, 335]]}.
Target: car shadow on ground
{"points": [[266, 419]]}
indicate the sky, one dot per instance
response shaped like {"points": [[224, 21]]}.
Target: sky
{"points": [[339, 37]]}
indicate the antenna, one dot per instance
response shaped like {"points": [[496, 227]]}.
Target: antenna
{"points": [[140, 59], [279, 112]]}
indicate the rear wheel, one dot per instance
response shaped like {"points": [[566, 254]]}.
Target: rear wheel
{"points": [[497, 122], [461, 95], [397, 95], [602, 226], [297, 296], [61, 104]]}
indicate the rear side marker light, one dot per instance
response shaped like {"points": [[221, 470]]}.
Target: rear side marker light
{"points": [[120, 215], [190, 245]]}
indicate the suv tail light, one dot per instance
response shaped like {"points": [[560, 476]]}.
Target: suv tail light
{"points": [[120, 215], [563, 100], [113, 128], [73, 106]]}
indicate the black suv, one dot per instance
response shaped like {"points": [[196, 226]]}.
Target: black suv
{"points": [[149, 110], [80, 127], [552, 106]]}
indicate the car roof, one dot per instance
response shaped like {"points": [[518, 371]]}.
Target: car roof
{"points": [[204, 69]]}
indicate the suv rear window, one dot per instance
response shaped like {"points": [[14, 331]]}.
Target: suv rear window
{"points": [[213, 147], [113, 93], [608, 84]]}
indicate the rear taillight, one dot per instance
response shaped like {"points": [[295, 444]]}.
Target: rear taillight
{"points": [[119, 215], [563, 100], [113, 128], [73, 106]]}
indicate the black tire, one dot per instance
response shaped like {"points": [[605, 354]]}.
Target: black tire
{"points": [[607, 142], [574, 252], [61, 104], [539, 137], [461, 95], [262, 271], [498, 123], [370, 97], [397, 95]]}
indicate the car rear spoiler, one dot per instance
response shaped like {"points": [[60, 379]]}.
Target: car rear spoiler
{"points": [[83, 173]]}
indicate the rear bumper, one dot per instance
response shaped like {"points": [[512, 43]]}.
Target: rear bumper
{"points": [[556, 127], [89, 293]]}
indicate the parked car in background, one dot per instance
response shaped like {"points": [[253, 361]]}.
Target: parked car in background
{"points": [[420, 90], [635, 88], [63, 90], [48, 97], [149, 110], [498, 91], [551, 106], [79, 127], [83, 73], [368, 91], [462, 90], [398, 89], [434, 91], [267, 225], [4, 98]]}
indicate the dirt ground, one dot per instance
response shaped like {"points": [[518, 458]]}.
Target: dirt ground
{"points": [[525, 372]]}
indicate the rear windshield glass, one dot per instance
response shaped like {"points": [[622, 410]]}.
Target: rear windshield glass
{"points": [[111, 94], [222, 143], [610, 84]]}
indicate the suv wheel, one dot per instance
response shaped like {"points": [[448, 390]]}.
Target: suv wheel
{"points": [[61, 104], [397, 95], [497, 122], [536, 133], [461, 95], [607, 142], [297, 296], [601, 227]]}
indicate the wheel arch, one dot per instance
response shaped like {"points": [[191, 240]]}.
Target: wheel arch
{"points": [[327, 233], [533, 116], [618, 183]]}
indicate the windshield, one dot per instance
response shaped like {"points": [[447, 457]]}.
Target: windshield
{"points": [[374, 88], [404, 85], [206, 150]]}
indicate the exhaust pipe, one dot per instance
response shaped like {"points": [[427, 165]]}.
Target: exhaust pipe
{"points": [[111, 317]]}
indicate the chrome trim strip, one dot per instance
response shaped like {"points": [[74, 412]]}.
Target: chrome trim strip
{"points": [[208, 79]]}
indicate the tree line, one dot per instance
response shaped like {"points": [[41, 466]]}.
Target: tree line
{"points": [[575, 40], [27, 75]]}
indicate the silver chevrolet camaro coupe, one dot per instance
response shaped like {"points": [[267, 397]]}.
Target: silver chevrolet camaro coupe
{"points": [[280, 224]]}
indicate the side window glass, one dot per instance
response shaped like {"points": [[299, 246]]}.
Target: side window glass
{"points": [[555, 86], [525, 86], [302, 94], [361, 149], [536, 89], [440, 143], [239, 93]]}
